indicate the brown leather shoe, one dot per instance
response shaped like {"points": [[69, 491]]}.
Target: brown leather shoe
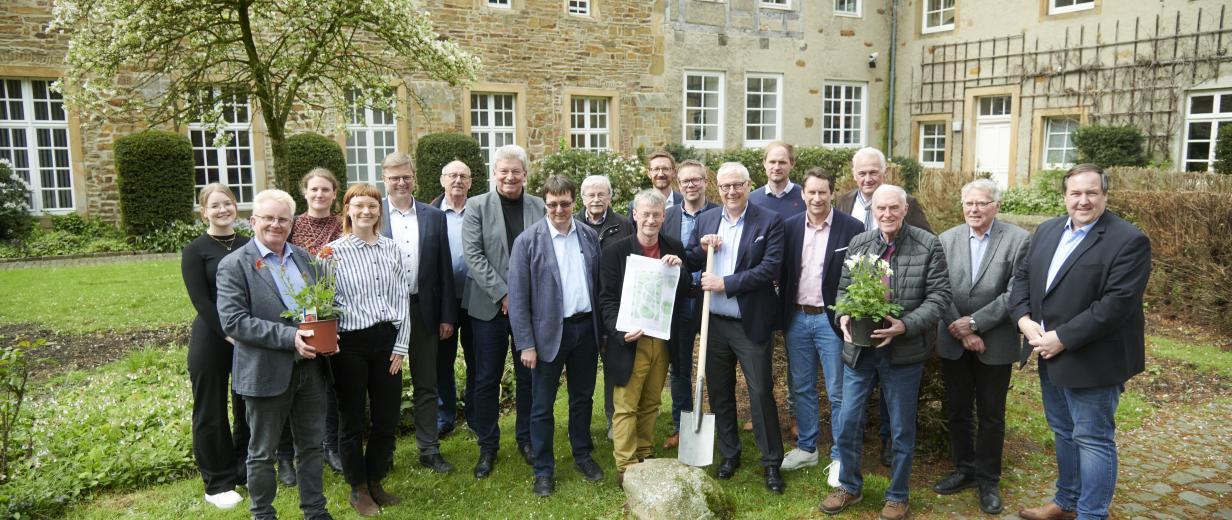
{"points": [[839, 500], [672, 441], [1049, 511], [361, 500], [382, 497], [895, 511], [748, 425]]}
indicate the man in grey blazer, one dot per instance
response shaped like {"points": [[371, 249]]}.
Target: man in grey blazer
{"points": [[278, 374], [553, 311], [420, 231], [977, 342], [489, 226]]}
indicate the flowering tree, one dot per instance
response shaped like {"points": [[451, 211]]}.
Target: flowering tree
{"points": [[176, 61]]}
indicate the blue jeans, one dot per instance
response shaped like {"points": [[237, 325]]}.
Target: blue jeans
{"points": [[493, 345], [1083, 421], [579, 357], [900, 388], [812, 341]]}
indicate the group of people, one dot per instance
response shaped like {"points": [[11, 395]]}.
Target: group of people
{"points": [[511, 274]]}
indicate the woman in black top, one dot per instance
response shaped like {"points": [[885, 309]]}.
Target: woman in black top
{"points": [[220, 450]]}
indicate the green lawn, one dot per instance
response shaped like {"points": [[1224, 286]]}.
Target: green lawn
{"points": [[1205, 357], [88, 298]]}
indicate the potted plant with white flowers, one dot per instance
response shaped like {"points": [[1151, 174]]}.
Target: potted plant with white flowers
{"points": [[866, 299]]}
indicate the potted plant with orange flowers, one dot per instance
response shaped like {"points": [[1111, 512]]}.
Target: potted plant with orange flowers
{"points": [[314, 303], [867, 299]]}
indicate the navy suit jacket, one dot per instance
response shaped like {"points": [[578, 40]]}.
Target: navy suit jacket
{"points": [[1094, 304], [438, 298], [536, 308], [757, 266], [842, 229], [672, 217]]}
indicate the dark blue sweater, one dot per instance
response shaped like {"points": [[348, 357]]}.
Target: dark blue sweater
{"points": [[790, 205]]}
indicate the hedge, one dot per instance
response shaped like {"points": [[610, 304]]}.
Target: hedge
{"points": [[156, 179], [1110, 145], [1223, 151], [434, 151], [627, 175], [15, 219], [305, 152]]}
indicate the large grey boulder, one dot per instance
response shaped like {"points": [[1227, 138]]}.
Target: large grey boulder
{"points": [[665, 489]]}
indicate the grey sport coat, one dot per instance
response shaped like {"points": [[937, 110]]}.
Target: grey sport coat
{"points": [[985, 300], [536, 308], [487, 253]]}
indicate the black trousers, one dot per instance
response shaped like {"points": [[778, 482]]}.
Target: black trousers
{"points": [[361, 377], [727, 346], [219, 445], [970, 383]]}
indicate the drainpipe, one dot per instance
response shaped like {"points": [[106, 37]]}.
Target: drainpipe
{"points": [[889, 146]]}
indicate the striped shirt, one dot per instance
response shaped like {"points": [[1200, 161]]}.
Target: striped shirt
{"points": [[372, 286]]}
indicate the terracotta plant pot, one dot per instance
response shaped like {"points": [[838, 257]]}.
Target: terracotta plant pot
{"points": [[861, 329], [325, 335]]}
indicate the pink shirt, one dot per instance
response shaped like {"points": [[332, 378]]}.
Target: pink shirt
{"points": [[812, 257]]}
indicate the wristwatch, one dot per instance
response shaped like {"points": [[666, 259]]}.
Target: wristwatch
{"points": [[971, 322]]}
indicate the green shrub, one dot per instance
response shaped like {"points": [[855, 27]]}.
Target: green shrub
{"points": [[626, 175], [1111, 145], [171, 238], [835, 161], [156, 179], [75, 224], [305, 152], [122, 425], [679, 153], [1044, 196], [751, 158], [15, 219], [434, 151], [14, 377], [908, 172], [1223, 150]]}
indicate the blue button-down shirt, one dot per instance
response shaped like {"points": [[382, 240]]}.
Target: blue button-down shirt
{"points": [[725, 261], [1070, 238], [453, 222], [572, 265], [979, 244], [284, 272]]}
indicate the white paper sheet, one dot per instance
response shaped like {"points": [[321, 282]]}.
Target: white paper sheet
{"points": [[648, 296]]}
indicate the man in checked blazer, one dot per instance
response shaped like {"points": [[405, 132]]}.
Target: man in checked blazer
{"points": [[278, 374], [977, 342]]}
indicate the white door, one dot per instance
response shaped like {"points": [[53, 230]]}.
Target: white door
{"points": [[992, 138]]}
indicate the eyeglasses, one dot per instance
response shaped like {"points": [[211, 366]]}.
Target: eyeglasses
{"points": [[267, 220], [691, 182], [597, 195], [559, 205], [661, 169], [981, 204], [733, 186], [456, 176], [398, 179]]}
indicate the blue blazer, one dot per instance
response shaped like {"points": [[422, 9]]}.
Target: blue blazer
{"points": [[1094, 304], [842, 229], [438, 298], [536, 311], [758, 262]]}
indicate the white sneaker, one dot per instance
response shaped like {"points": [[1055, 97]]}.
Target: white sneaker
{"points": [[832, 479], [225, 500], [798, 458]]}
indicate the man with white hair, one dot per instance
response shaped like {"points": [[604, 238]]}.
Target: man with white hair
{"points": [[918, 282], [597, 210], [748, 244], [977, 342]]}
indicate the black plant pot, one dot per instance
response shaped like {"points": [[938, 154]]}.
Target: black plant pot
{"points": [[861, 329]]}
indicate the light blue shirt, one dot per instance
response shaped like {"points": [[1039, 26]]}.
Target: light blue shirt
{"points": [[284, 272], [687, 223], [572, 265], [978, 246], [725, 261], [453, 222], [1070, 238]]}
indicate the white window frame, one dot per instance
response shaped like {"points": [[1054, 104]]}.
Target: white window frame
{"points": [[1047, 141], [1077, 5], [55, 128], [775, 4], [718, 109], [500, 4], [862, 127], [589, 132], [938, 143], [497, 135], [940, 9], [371, 134], [578, 7], [1215, 119], [777, 124], [853, 14], [241, 140]]}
